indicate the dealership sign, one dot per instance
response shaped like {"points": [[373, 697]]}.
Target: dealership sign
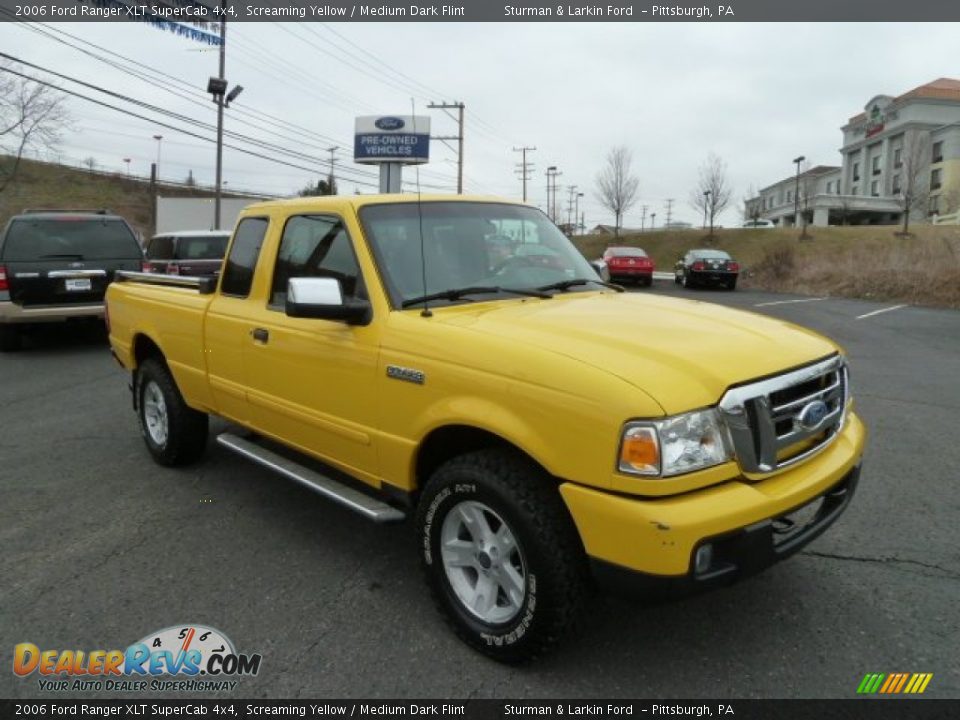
{"points": [[392, 139]]}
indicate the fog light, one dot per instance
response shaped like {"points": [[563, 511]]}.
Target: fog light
{"points": [[703, 559]]}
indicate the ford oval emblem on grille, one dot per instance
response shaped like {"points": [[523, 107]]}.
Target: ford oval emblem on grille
{"points": [[389, 123], [812, 415]]}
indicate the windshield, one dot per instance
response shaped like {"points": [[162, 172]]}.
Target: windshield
{"points": [[80, 238], [469, 244], [212, 247]]}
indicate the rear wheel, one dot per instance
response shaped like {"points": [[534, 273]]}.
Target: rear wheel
{"points": [[731, 284], [10, 338], [686, 281], [501, 555], [175, 433]]}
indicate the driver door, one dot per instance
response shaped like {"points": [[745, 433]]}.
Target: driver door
{"points": [[311, 381]]}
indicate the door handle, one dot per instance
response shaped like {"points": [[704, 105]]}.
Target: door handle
{"points": [[260, 335]]}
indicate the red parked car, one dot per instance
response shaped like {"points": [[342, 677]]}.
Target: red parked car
{"points": [[629, 263]]}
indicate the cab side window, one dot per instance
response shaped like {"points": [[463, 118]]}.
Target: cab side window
{"points": [[316, 246], [240, 264]]}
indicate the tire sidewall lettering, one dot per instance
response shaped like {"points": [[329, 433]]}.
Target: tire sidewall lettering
{"points": [[437, 510]]}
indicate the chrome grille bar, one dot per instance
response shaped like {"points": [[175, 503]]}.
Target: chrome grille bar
{"points": [[753, 420]]}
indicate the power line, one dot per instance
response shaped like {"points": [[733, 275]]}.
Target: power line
{"points": [[167, 125], [188, 90]]}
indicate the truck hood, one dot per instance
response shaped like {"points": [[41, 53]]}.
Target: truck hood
{"points": [[683, 353]]}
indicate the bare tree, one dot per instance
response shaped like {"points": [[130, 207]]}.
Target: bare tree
{"points": [[914, 184], [32, 116], [90, 162], [713, 192], [618, 186], [752, 205]]}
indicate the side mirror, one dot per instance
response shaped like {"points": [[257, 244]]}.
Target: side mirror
{"points": [[321, 298]]}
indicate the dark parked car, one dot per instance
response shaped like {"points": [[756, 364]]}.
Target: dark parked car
{"points": [[629, 263], [707, 267], [55, 266], [189, 252]]}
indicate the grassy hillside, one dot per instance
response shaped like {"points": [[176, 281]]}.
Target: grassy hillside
{"points": [[41, 184], [865, 261]]}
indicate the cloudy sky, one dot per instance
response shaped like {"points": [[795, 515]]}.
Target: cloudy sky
{"points": [[756, 95]]}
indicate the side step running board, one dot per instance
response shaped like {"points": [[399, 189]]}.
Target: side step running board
{"points": [[359, 502]]}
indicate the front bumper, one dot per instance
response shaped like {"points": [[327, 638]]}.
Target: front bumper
{"points": [[11, 312], [655, 539], [737, 555]]}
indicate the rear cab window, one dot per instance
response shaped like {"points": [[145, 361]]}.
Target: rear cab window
{"points": [[73, 237], [237, 276]]}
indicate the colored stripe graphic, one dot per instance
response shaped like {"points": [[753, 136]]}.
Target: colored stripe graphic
{"points": [[894, 683]]}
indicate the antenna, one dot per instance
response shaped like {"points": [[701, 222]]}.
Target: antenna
{"points": [[423, 255]]}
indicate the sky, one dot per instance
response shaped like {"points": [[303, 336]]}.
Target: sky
{"points": [[756, 95]]}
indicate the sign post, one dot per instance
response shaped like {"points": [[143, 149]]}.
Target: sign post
{"points": [[391, 141]]}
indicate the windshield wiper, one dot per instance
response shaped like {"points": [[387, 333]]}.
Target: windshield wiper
{"points": [[565, 285], [78, 256], [457, 293]]}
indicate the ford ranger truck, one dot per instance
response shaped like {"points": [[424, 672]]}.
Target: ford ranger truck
{"points": [[457, 360]]}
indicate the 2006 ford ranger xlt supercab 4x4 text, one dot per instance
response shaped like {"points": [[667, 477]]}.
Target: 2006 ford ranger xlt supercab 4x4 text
{"points": [[457, 359]]}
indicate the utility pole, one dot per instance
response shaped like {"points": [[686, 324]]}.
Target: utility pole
{"points": [[552, 175], [331, 180], [524, 167], [573, 193], [459, 106], [669, 211], [576, 210], [643, 218]]}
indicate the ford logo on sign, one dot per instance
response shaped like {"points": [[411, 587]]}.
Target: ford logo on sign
{"points": [[389, 123], [812, 415]]}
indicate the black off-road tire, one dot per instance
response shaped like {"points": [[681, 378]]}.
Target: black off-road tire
{"points": [[186, 428], [10, 338], [554, 561]]}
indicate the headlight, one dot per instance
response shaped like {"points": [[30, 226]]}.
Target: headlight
{"points": [[674, 445]]}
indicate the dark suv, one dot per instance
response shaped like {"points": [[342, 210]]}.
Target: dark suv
{"points": [[56, 265]]}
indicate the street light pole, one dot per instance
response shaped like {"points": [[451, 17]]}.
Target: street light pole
{"points": [[158, 138], [219, 99], [796, 192], [706, 204], [576, 212], [653, 221]]}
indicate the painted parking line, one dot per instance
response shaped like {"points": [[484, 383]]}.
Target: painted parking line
{"points": [[881, 310], [788, 302]]}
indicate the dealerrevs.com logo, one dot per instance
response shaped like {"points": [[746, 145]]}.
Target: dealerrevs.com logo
{"points": [[177, 658]]}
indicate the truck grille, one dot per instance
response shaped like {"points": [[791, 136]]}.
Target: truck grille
{"points": [[780, 421]]}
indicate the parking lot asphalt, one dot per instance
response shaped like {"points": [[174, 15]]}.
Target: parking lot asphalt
{"points": [[101, 546]]}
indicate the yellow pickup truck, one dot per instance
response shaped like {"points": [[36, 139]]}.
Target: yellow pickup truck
{"points": [[457, 360]]}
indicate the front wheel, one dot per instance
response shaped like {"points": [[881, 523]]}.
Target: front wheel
{"points": [[175, 433], [501, 554]]}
